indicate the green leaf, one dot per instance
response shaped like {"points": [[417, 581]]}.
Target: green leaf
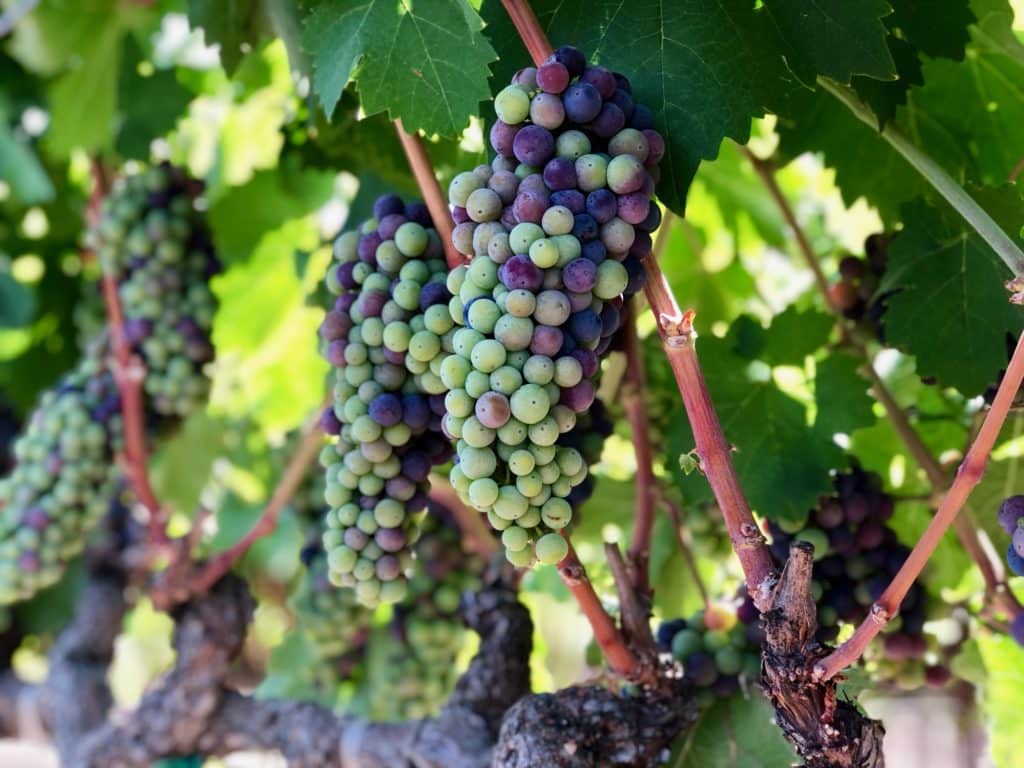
{"points": [[238, 26], [951, 310], [737, 732], [17, 305], [835, 38], [693, 63], [841, 395], [946, 568], [795, 334], [150, 104], [424, 62], [1000, 695], [885, 96], [181, 468], [939, 35], [21, 170]]}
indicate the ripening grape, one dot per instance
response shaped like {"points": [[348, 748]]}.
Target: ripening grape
{"points": [[386, 334], [152, 239], [719, 648], [855, 291], [556, 228]]}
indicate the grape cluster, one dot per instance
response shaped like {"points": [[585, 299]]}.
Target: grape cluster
{"points": [[1011, 519], [418, 669], [854, 293], [386, 336], [556, 227], [856, 556], [152, 237], [62, 481], [719, 647], [331, 618]]}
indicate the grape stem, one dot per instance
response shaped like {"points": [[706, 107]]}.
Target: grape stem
{"points": [[633, 608], [968, 475], [423, 170], [295, 472], [607, 635], [475, 533], [130, 374], [937, 176], [971, 537], [633, 402]]}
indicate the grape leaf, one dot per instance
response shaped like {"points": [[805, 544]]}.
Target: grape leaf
{"points": [[951, 310], [181, 467], [17, 305], [795, 334], [885, 96], [768, 428], [1003, 661], [426, 63], [20, 168], [738, 732], [150, 104], [238, 26], [841, 395], [835, 38], [939, 35]]}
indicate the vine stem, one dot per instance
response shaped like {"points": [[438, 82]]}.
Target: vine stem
{"points": [[305, 454], [607, 635], [130, 374], [714, 452], [964, 525], [633, 401], [967, 477], [529, 29], [423, 170], [937, 176]]}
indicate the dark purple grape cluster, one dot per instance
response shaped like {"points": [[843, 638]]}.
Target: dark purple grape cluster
{"points": [[854, 292], [592, 428], [556, 227], [719, 647], [386, 335], [1011, 519], [857, 554], [152, 238]]}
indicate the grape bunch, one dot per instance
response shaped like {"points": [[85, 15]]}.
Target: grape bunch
{"points": [[854, 293], [1011, 519], [556, 227], [63, 479], [417, 669], [331, 618], [386, 336], [719, 647], [856, 556], [152, 237]]}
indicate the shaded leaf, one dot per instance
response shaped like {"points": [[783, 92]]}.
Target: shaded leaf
{"points": [[841, 395], [737, 732]]}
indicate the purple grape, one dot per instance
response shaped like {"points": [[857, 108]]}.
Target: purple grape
{"points": [[493, 410], [579, 397], [623, 101], [529, 207], [588, 362], [653, 220], [641, 242], [609, 121], [552, 77], [386, 409], [533, 145], [336, 352], [655, 146], [602, 205], [372, 302], [460, 215], [642, 119], [610, 320], [505, 183], [415, 410], [344, 302], [520, 272], [700, 668], [436, 404], [572, 58], [634, 207], [621, 81], [36, 518], [508, 217], [582, 103], [416, 466], [570, 198], [503, 137], [584, 227], [579, 275], [393, 357], [547, 340], [399, 487], [1017, 628], [29, 562], [419, 213], [346, 276], [580, 301], [585, 326], [433, 293], [1018, 541], [389, 225], [560, 174], [367, 250], [527, 76], [137, 330], [1010, 511], [355, 539], [602, 79], [390, 539], [386, 205], [667, 630], [594, 251], [388, 568], [329, 422]]}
